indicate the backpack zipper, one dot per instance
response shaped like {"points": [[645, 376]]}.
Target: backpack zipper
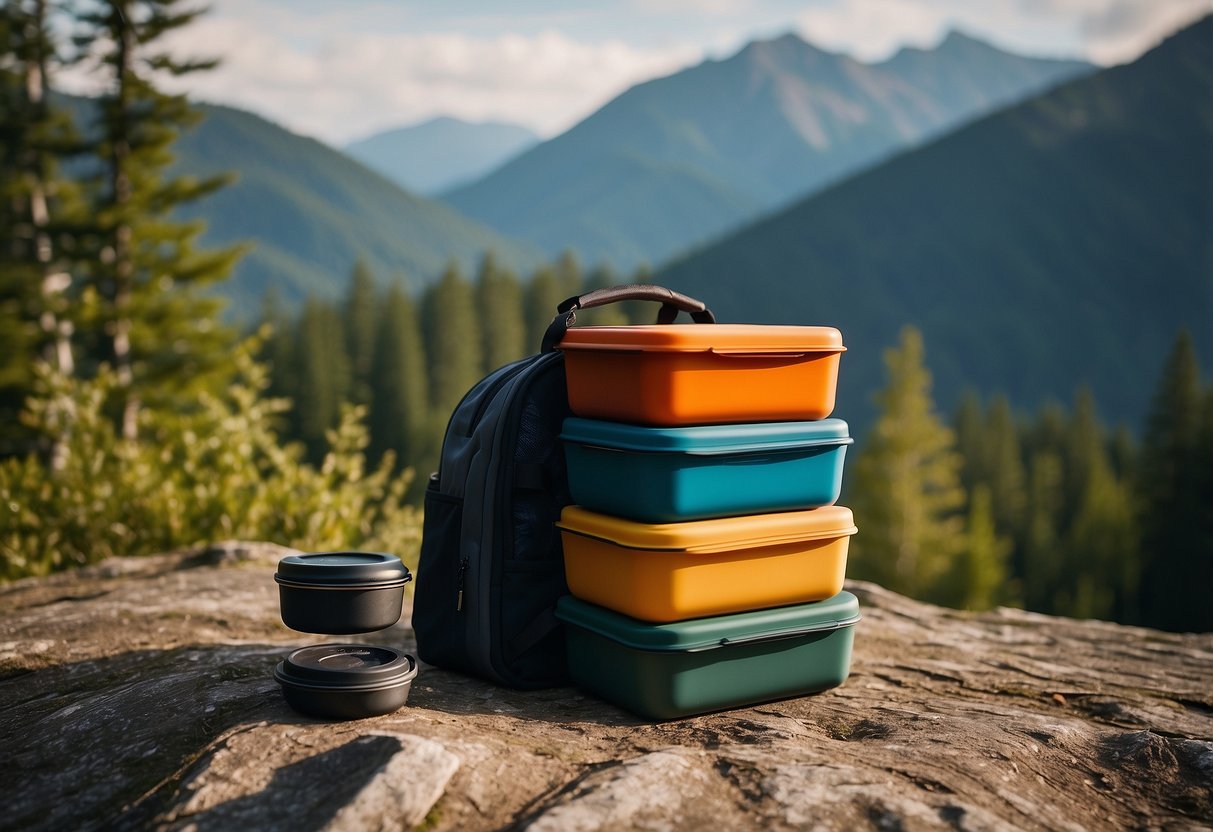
{"points": [[463, 568]]}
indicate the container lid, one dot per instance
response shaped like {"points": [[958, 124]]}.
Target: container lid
{"points": [[350, 667], [700, 634], [706, 440], [724, 339], [343, 569], [720, 534]]}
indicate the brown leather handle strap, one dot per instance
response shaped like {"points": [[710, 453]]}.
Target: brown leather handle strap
{"points": [[671, 304]]}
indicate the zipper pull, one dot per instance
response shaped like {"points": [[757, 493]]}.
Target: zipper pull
{"points": [[463, 568]]}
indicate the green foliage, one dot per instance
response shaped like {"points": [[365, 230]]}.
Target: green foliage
{"points": [[217, 471], [358, 322], [1060, 503], [399, 417], [450, 322], [195, 455], [499, 304], [1041, 561], [976, 578], [1176, 493], [40, 213], [906, 480], [322, 378], [1099, 551], [542, 295], [142, 305]]}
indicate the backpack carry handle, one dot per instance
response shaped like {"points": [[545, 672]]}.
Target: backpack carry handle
{"points": [[671, 304]]}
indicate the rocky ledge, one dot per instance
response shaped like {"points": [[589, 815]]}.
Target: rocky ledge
{"points": [[139, 694]]}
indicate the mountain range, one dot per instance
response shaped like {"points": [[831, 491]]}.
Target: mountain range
{"points": [[312, 211], [442, 153], [677, 160], [1061, 241]]}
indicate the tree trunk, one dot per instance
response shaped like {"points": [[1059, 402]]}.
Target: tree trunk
{"points": [[123, 265], [55, 281]]}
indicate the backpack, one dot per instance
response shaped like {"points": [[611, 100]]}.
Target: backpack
{"points": [[491, 565]]}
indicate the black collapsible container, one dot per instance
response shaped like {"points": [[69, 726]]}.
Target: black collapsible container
{"points": [[341, 592], [346, 681]]}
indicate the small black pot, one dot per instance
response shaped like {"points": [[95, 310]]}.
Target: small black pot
{"points": [[346, 681], [341, 592]]}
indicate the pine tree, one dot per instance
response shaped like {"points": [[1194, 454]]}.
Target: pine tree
{"points": [[1007, 480], [359, 323], [1083, 450], [1100, 549], [399, 413], [568, 274], [451, 325], [977, 578], [323, 376], [1202, 464], [907, 492], [970, 427], [1042, 548], [502, 329], [1173, 488], [278, 349], [159, 335], [38, 218], [1047, 433], [1122, 452], [543, 294], [1005, 465], [1095, 564]]}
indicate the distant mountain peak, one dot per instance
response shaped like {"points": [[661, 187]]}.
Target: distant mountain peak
{"points": [[715, 144], [956, 38], [789, 43], [442, 152]]}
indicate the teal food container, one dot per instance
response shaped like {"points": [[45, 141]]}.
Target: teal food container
{"points": [[668, 475], [667, 671]]}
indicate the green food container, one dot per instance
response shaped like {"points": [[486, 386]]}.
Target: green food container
{"points": [[666, 671]]}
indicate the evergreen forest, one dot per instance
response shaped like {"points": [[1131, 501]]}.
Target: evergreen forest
{"points": [[135, 420], [1055, 511]]}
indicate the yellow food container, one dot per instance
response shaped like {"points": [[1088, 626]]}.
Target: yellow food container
{"points": [[675, 571]]}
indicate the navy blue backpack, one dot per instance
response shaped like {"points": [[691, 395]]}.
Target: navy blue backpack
{"points": [[491, 566]]}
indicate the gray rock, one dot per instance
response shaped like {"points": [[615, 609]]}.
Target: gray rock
{"points": [[138, 693]]}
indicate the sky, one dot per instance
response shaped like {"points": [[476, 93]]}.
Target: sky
{"points": [[340, 71]]}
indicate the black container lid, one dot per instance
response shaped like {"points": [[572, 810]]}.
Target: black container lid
{"points": [[374, 570], [348, 667]]}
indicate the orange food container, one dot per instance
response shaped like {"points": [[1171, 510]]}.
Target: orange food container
{"points": [[675, 571], [700, 374]]}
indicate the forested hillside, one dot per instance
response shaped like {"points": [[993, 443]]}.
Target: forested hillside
{"points": [[310, 211], [1062, 241]]}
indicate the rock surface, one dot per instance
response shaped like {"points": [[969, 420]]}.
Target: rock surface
{"points": [[139, 694]]}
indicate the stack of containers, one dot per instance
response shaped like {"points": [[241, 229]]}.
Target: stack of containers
{"points": [[704, 552]]}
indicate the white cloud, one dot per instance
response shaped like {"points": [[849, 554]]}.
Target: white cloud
{"points": [[872, 29], [343, 85], [1119, 31], [1104, 31], [342, 71]]}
